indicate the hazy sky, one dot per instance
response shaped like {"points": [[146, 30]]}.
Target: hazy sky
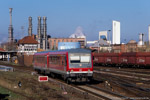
{"points": [[64, 16]]}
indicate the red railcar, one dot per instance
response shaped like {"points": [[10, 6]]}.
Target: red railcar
{"points": [[123, 59], [112, 58], [128, 59], [70, 64], [143, 59], [99, 58]]}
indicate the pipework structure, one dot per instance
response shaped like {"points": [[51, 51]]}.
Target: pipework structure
{"points": [[39, 31], [44, 33], [30, 27], [10, 29]]}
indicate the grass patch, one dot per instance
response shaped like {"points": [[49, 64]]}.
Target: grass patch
{"points": [[6, 94], [31, 88]]}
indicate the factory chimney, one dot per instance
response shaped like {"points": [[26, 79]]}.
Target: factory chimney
{"points": [[30, 27], [44, 33], [10, 29], [39, 33]]}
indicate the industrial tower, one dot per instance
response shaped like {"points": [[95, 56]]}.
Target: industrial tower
{"points": [[30, 27], [10, 29], [42, 33], [39, 33]]}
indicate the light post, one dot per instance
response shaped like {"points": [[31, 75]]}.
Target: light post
{"points": [[109, 41], [98, 46]]}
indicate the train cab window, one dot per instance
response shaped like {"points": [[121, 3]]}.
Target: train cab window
{"points": [[74, 59], [85, 59], [80, 58]]}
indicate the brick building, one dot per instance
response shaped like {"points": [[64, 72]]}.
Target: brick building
{"points": [[131, 46], [53, 42]]}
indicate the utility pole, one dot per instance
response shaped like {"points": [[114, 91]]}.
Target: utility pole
{"points": [[109, 49], [98, 46], [22, 28]]}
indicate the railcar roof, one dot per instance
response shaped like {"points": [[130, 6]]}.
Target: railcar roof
{"points": [[69, 51]]}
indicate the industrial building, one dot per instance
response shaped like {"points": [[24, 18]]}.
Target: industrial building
{"points": [[53, 42], [103, 35], [99, 45], [68, 45], [115, 32]]}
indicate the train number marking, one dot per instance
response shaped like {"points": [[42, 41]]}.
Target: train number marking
{"points": [[124, 60], [108, 59], [141, 60]]}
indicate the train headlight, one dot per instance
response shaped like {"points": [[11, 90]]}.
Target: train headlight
{"points": [[71, 70]]}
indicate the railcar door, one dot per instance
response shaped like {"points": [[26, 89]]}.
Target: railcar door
{"points": [[64, 62], [46, 62]]}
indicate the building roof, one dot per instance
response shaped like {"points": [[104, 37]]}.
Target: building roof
{"points": [[132, 42], [27, 40], [76, 50], [1, 49], [64, 38], [101, 43]]}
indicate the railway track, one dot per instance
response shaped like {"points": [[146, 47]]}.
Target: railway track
{"points": [[126, 84], [104, 93], [132, 76], [135, 83], [109, 95], [92, 91], [140, 91], [123, 69], [143, 75]]}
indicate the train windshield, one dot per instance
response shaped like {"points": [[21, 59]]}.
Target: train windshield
{"points": [[77, 59]]}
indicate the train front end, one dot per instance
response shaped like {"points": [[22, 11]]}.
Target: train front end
{"points": [[80, 65]]}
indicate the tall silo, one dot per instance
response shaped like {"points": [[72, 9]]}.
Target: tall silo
{"points": [[141, 40]]}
